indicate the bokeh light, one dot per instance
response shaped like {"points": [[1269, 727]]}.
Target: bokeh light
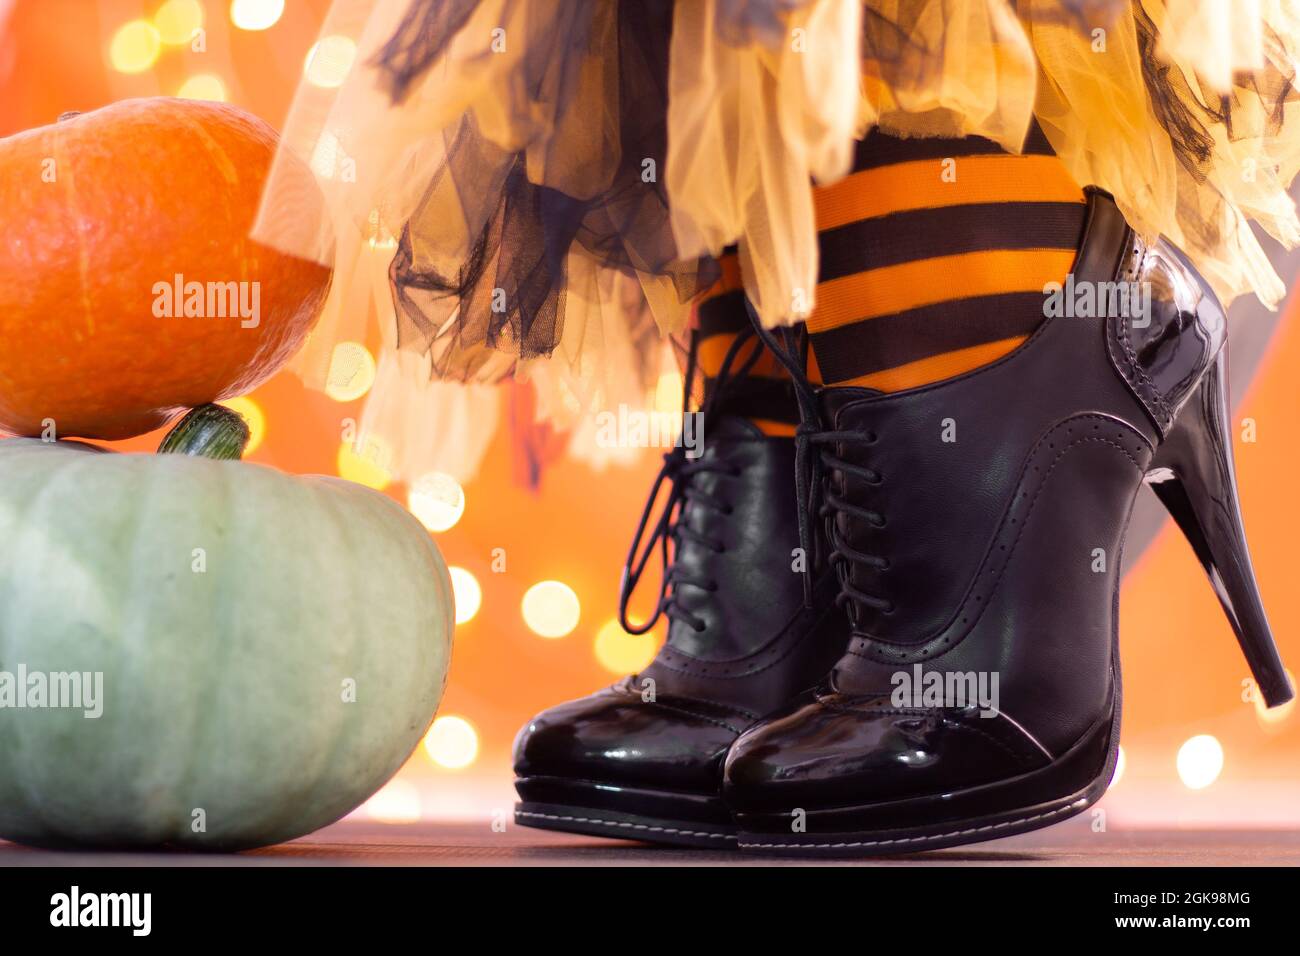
{"points": [[176, 21], [397, 802], [253, 415], [351, 372], [452, 742], [668, 393], [203, 86], [366, 466], [256, 14], [329, 61], [551, 609], [134, 47], [437, 499], [621, 652], [1200, 761], [468, 594]]}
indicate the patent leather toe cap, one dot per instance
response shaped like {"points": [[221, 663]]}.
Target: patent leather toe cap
{"points": [[617, 736], [829, 749]]}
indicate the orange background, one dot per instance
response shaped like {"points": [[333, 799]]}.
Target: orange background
{"points": [[1183, 672]]}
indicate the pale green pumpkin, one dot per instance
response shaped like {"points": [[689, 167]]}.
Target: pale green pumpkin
{"points": [[272, 647]]}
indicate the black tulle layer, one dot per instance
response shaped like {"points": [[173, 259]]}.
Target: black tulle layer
{"points": [[508, 295]]}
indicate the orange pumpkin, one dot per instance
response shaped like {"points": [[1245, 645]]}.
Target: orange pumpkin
{"points": [[129, 288]]}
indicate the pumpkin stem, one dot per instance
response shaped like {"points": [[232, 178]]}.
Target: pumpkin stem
{"points": [[208, 431]]}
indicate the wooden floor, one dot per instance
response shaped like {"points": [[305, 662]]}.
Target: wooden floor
{"points": [[354, 843]]}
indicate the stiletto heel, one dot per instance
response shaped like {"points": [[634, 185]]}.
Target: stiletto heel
{"points": [[1192, 474]]}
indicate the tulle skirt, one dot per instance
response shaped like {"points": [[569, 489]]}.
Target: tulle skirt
{"points": [[536, 190]]}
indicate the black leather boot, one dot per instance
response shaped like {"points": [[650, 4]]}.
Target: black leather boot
{"points": [[643, 759], [978, 525]]}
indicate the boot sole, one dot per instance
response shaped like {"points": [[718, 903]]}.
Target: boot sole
{"points": [[590, 821], [887, 841], [914, 840]]}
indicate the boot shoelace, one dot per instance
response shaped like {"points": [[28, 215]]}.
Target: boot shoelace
{"points": [[680, 473], [815, 459], [832, 505]]}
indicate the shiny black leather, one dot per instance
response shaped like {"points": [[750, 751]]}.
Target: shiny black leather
{"points": [[995, 504], [1162, 352], [652, 745]]}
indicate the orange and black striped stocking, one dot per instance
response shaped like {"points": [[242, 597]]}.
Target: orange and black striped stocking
{"points": [[765, 395], [934, 254]]}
